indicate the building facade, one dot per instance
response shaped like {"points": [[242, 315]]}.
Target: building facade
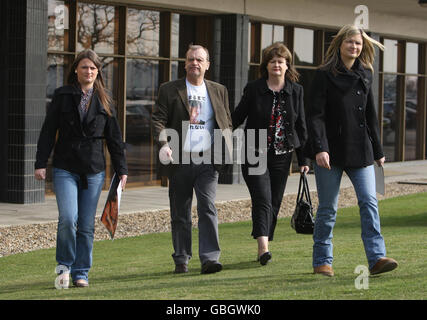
{"points": [[143, 44]]}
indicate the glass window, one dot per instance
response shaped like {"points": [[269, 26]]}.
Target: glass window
{"points": [[56, 68], [278, 33], [267, 35], [95, 27], [411, 117], [390, 117], [178, 70], [303, 46], [411, 63], [390, 56], [57, 14], [56, 74], [143, 32], [329, 36], [141, 93], [109, 74], [175, 35]]}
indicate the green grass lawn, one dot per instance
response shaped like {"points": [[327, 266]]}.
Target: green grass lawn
{"points": [[142, 267]]}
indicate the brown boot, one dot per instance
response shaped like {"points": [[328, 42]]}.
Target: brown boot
{"points": [[384, 265], [325, 270]]}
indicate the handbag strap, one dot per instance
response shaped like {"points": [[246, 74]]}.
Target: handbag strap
{"points": [[303, 189], [306, 189], [301, 184]]}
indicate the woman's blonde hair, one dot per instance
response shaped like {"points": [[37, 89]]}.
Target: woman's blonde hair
{"points": [[99, 84], [332, 57], [280, 50]]}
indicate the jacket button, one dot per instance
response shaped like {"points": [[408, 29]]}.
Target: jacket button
{"points": [[358, 92], [361, 125], [360, 108]]}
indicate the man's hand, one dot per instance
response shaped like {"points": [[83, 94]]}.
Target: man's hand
{"points": [[322, 160], [165, 155], [40, 174]]}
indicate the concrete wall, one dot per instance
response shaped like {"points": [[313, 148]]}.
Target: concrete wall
{"points": [[398, 18]]}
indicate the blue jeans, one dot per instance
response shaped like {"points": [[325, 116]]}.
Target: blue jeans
{"points": [[76, 222], [328, 185]]}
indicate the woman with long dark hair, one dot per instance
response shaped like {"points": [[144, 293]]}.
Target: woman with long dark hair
{"points": [[77, 122], [273, 104], [344, 137]]}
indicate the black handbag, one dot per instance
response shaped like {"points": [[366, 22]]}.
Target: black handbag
{"points": [[302, 220]]}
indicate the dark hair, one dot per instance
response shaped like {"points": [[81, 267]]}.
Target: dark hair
{"points": [[280, 50], [98, 85]]}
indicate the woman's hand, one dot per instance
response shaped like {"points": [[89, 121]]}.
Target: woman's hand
{"points": [[123, 179], [40, 174], [322, 160], [304, 169], [380, 162]]}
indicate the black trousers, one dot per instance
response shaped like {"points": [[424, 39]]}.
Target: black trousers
{"points": [[203, 179], [266, 192]]}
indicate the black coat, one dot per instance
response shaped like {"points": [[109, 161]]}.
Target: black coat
{"points": [[256, 106], [341, 117], [79, 148]]}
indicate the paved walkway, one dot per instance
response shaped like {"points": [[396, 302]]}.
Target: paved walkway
{"points": [[153, 198]]}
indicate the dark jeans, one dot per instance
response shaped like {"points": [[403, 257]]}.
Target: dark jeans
{"points": [[203, 178], [266, 192]]}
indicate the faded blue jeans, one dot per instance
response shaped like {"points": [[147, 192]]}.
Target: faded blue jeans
{"points": [[76, 222], [328, 186]]}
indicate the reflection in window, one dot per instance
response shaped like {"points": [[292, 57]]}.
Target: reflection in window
{"points": [[303, 46], [57, 15], [109, 74], [329, 36], [143, 32], [56, 66], [278, 33], [253, 73], [390, 56], [267, 35], [411, 65], [270, 34], [55, 74], [95, 27], [141, 92], [175, 35], [390, 118], [411, 118]]}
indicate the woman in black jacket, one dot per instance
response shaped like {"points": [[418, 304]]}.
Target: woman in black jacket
{"points": [[78, 120], [344, 136], [273, 108]]}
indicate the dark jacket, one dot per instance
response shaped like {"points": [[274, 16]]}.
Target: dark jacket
{"points": [[342, 119], [172, 108], [256, 106], [79, 148]]}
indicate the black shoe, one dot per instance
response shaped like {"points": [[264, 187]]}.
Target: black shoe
{"points": [[265, 258], [211, 267], [181, 268]]}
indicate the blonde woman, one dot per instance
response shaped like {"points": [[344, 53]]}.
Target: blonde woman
{"points": [[344, 137], [275, 103]]}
